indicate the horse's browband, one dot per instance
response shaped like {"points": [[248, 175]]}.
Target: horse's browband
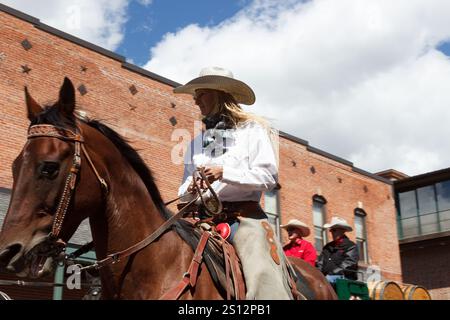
{"points": [[47, 130]]}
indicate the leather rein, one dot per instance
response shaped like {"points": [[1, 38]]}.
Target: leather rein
{"points": [[57, 245]]}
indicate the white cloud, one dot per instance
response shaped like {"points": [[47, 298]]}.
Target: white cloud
{"points": [[100, 21], [145, 2], [360, 79]]}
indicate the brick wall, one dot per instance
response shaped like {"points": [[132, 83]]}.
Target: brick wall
{"points": [[426, 263], [344, 191], [144, 119]]}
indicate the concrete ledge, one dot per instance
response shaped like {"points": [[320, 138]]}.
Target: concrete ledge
{"points": [[431, 236], [5, 190], [149, 74], [19, 14]]}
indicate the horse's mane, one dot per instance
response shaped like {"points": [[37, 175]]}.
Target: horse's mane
{"points": [[135, 161], [52, 116]]}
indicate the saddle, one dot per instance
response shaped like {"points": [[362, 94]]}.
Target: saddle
{"points": [[222, 262], [219, 256]]}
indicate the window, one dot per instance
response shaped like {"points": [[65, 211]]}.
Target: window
{"points": [[320, 235], [427, 210], [272, 209], [409, 223], [361, 235], [82, 234], [424, 210], [5, 196], [443, 203]]}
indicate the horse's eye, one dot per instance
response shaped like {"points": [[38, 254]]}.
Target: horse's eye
{"points": [[49, 170]]}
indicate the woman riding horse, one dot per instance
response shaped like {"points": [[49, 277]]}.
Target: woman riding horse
{"points": [[239, 160]]}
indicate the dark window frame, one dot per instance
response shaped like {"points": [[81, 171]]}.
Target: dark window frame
{"points": [[363, 256], [8, 192], [323, 233], [419, 216], [274, 215]]}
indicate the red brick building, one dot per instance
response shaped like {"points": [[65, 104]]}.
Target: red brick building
{"points": [[141, 106]]}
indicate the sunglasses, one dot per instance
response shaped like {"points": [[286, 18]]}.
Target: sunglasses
{"points": [[199, 94]]}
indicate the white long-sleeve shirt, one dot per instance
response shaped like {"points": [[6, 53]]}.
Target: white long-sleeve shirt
{"points": [[249, 162]]}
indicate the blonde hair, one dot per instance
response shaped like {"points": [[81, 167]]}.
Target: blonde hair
{"points": [[227, 106]]}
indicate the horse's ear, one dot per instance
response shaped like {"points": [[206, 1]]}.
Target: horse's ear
{"points": [[33, 108], [66, 102]]}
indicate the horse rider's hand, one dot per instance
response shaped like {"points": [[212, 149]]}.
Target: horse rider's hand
{"points": [[214, 173], [191, 188]]}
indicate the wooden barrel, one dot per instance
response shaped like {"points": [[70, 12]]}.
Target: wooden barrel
{"points": [[413, 292], [385, 290]]}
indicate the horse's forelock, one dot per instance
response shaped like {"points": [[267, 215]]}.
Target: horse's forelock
{"points": [[52, 115]]}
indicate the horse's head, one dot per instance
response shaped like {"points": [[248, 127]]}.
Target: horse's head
{"points": [[45, 174]]}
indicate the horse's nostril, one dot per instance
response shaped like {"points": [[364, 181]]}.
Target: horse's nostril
{"points": [[7, 254]]}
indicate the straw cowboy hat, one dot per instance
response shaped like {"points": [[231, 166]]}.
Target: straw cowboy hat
{"points": [[219, 79], [297, 224], [337, 222]]}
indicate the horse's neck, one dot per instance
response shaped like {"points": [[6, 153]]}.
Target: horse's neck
{"points": [[130, 215]]}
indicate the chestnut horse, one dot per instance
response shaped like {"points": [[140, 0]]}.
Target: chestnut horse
{"points": [[116, 191]]}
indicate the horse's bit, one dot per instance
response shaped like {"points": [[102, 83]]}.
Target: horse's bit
{"points": [[54, 246]]}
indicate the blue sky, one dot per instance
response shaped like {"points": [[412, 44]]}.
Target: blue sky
{"points": [[147, 24], [444, 48]]}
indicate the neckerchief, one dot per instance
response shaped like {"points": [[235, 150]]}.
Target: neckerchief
{"points": [[217, 127]]}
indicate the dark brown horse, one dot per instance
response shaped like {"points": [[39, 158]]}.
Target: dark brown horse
{"points": [[311, 282], [121, 215]]}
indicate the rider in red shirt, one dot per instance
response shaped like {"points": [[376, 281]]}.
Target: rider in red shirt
{"points": [[297, 246]]}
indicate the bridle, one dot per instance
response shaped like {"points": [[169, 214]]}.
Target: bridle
{"points": [[53, 245], [50, 131]]}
